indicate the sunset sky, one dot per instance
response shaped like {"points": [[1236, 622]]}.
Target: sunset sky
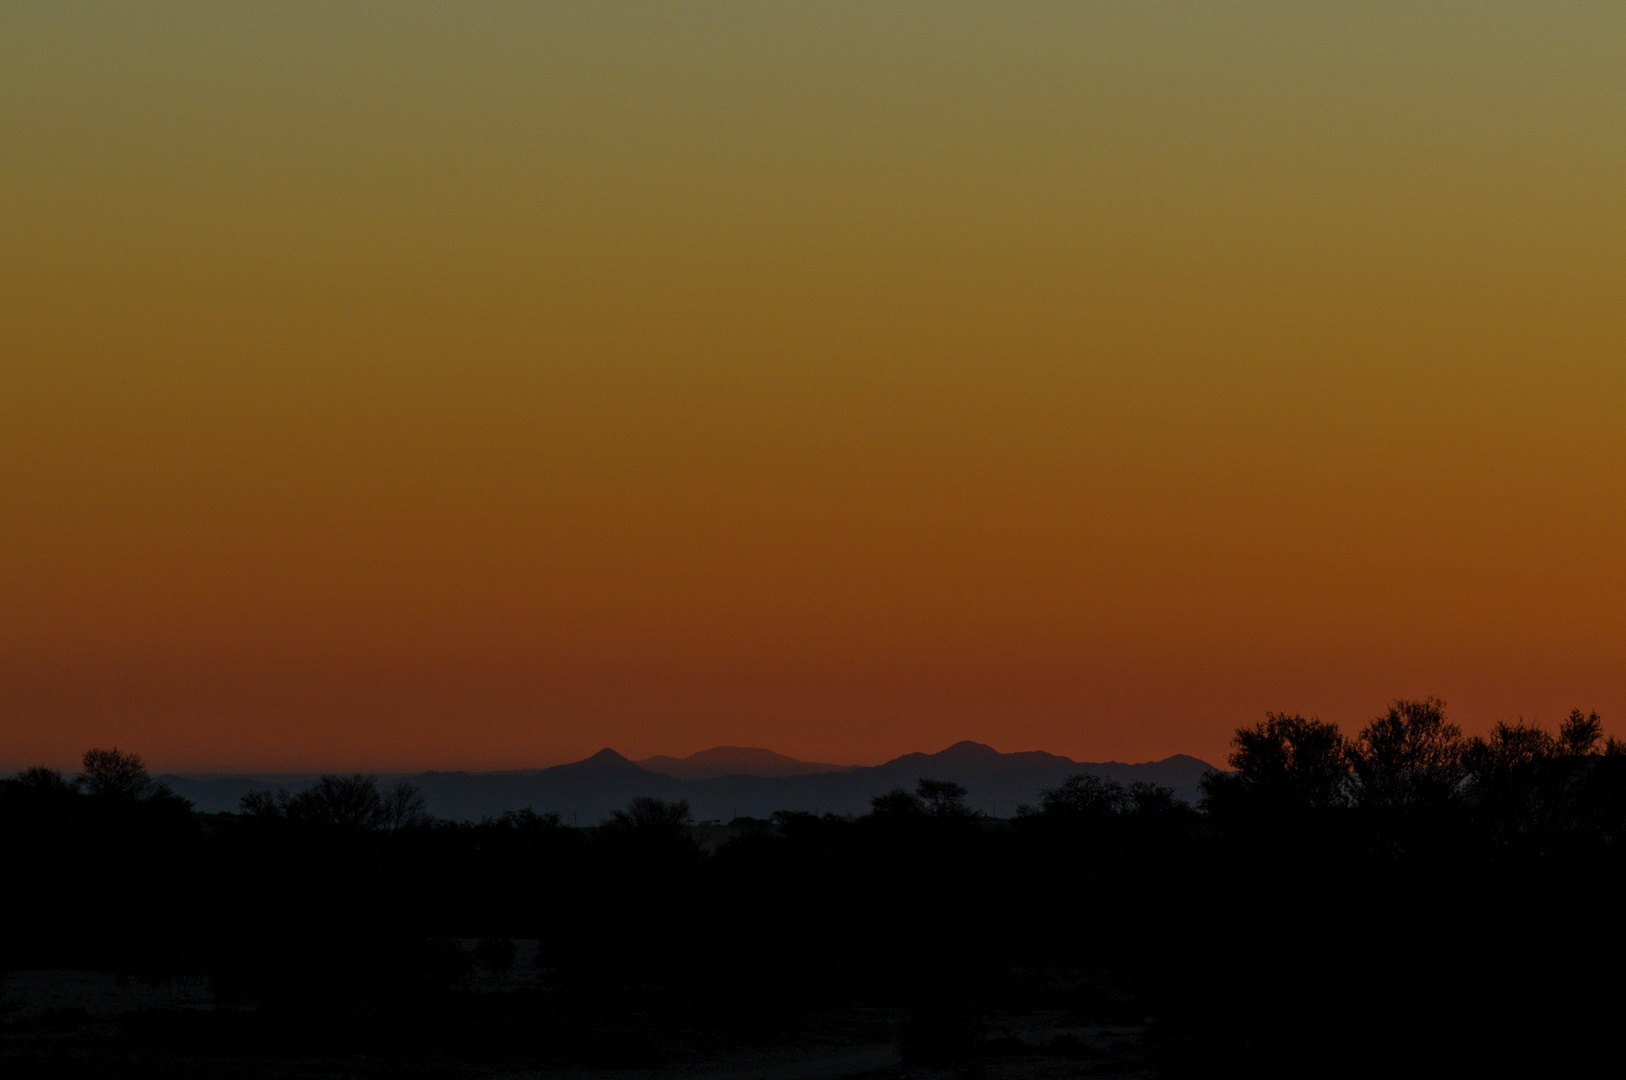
{"points": [[399, 386]]}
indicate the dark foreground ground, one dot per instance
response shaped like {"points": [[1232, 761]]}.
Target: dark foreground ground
{"points": [[95, 1024]]}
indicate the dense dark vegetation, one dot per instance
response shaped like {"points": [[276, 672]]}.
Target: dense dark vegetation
{"points": [[1406, 898]]}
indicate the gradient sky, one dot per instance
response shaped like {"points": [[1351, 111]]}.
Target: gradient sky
{"points": [[398, 386]]}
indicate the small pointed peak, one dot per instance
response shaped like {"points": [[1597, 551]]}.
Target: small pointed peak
{"points": [[1184, 760], [605, 762], [967, 750]]}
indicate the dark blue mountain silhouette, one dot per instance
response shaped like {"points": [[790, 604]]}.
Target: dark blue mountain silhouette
{"points": [[736, 761], [586, 792], [604, 763]]}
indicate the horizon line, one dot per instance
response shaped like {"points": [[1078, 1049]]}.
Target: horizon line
{"points": [[223, 772]]}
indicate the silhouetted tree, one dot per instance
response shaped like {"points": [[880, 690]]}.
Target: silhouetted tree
{"points": [[526, 819], [942, 798], [642, 883], [1511, 777], [896, 803], [260, 804], [346, 801], [353, 801], [1580, 733], [43, 780], [652, 817], [1409, 757], [1508, 747], [1285, 764], [120, 777], [401, 807], [1080, 800], [114, 774], [1148, 799]]}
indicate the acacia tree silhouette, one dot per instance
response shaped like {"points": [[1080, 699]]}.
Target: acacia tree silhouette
{"points": [[942, 798]]}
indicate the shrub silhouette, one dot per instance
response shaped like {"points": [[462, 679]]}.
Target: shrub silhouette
{"points": [[897, 803], [942, 798], [42, 780], [652, 817]]}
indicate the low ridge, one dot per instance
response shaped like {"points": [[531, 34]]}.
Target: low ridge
{"points": [[736, 761]]}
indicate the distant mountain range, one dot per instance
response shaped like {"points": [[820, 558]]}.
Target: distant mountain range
{"points": [[729, 781], [735, 761]]}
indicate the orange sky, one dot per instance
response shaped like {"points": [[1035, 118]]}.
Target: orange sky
{"points": [[399, 386]]}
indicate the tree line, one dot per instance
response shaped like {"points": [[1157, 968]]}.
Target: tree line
{"points": [[1336, 903]]}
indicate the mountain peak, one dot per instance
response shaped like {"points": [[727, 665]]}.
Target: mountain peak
{"points": [[605, 761], [968, 751]]}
